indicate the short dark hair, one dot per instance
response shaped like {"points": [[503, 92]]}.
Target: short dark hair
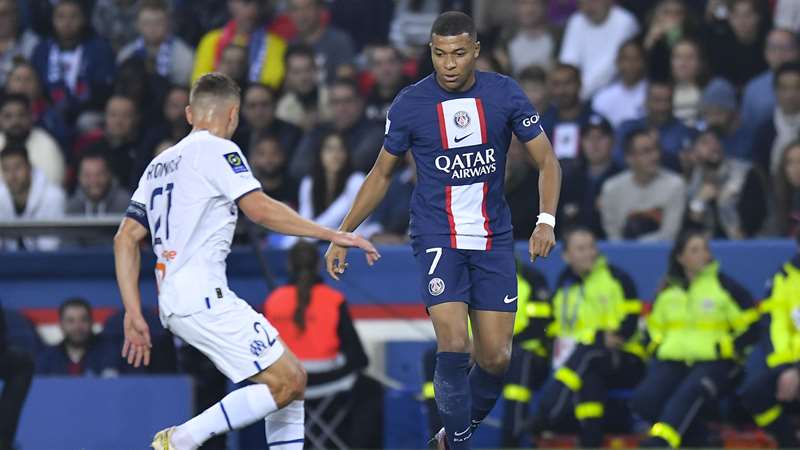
{"points": [[299, 49], [662, 82], [783, 69], [158, 5], [74, 302], [15, 98], [15, 147], [77, 3], [265, 136], [533, 74], [633, 135], [576, 71], [262, 87], [566, 235], [346, 82], [215, 84], [454, 23], [94, 154]]}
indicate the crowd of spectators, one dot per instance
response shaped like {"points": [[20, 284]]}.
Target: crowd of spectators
{"points": [[665, 114]]}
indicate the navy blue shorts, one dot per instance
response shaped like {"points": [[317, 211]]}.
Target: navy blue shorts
{"points": [[484, 280]]}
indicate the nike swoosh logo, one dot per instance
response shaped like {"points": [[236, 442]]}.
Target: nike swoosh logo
{"points": [[463, 432], [509, 300], [459, 139]]}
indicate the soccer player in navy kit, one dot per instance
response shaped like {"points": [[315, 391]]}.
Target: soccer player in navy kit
{"points": [[457, 123]]}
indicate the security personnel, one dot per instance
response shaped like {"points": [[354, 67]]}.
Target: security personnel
{"points": [[596, 312], [701, 321], [766, 391], [529, 357]]}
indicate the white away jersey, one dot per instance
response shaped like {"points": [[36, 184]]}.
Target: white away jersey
{"points": [[187, 199]]}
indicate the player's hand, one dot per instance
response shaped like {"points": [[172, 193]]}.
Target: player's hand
{"points": [[335, 257], [137, 340], [542, 241], [788, 385]]}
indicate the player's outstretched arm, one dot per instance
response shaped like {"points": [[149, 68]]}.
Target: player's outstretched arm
{"points": [[543, 238], [277, 216], [369, 196], [127, 261]]}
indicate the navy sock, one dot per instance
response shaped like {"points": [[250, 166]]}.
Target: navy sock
{"points": [[453, 398], [484, 388]]}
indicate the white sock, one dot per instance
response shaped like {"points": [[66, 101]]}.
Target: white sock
{"points": [[286, 427], [238, 409]]}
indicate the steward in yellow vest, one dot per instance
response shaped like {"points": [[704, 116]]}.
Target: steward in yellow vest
{"points": [[702, 321], [595, 316], [764, 395]]}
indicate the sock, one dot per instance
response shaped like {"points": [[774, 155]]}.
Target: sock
{"points": [[238, 409], [484, 389], [286, 427], [452, 397]]}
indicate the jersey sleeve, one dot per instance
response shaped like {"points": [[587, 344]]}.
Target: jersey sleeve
{"points": [[228, 172], [137, 208], [525, 121], [397, 137]]}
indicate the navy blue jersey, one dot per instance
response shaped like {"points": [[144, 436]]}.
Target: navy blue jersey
{"points": [[459, 142]]}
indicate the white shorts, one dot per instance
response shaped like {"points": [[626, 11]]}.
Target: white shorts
{"points": [[237, 339]]}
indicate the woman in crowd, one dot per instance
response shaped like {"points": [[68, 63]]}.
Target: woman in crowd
{"points": [[668, 24], [690, 75], [314, 321], [701, 321], [786, 207], [328, 192]]}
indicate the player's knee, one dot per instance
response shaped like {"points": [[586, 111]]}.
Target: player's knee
{"points": [[496, 362]]}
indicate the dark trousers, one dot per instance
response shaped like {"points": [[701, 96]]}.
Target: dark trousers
{"points": [[673, 394], [758, 397], [580, 388], [16, 371]]}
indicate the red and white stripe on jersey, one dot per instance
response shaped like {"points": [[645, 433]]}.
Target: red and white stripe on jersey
{"points": [[466, 213], [461, 123]]}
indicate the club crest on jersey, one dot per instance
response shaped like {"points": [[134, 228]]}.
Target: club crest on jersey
{"points": [[461, 119], [235, 161], [436, 287]]}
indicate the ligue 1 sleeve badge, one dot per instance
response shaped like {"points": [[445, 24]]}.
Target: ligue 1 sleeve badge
{"points": [[235, 161]]}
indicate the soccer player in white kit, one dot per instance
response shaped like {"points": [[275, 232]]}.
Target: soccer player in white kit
{"points": [[187, 200]]}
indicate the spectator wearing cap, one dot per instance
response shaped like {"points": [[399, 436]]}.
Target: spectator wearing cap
{"points": [[592, 39], [16, 124], [719, 110], [332, 46], [587, 174], [164, 53], [673, 135], [727, 197], [624, 99], [784, 127], [645, 202], [758, 99], [246, 28], [563, 120]]}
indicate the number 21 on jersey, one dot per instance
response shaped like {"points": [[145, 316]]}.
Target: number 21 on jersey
{"points": [[163, 212]]}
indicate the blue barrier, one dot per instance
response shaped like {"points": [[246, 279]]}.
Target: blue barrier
{"points": [[69, 413], [90, 273]]}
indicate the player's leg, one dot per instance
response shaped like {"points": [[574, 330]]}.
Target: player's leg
{"points": [[285, 428], [445, 289], [242, 345], [493, 308], [450, 378]]}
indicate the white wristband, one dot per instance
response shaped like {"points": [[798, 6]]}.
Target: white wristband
{"points": [[546, 219]]}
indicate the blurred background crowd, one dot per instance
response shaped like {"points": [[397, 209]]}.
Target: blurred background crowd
{"points": [[666, 115]]}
